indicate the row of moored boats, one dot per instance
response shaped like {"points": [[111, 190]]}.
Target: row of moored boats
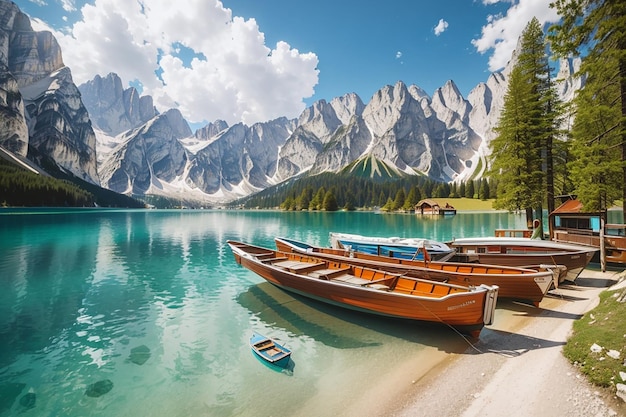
{"points": [[455, 283]]}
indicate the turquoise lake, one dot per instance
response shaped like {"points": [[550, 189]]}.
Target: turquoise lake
{"points": [[149, 310]]}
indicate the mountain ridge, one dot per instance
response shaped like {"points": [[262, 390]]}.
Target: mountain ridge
{"points": [[113, 136]]}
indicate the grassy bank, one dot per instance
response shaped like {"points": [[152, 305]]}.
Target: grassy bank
{"points": [[598, 342]]}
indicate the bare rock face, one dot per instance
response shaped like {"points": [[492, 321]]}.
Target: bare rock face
{"points": [[114, 109], [150, 154], [50, 105], [240, 159], [59, 124], [13, 131], [211, 130], [29, 55]]}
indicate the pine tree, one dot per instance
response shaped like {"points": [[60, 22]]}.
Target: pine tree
{"points": [[412, 199], [521, 156], [330, 202], [469, 189], [398, 202], [483, 191], [349, 204], [598, 168], [318, 199]]}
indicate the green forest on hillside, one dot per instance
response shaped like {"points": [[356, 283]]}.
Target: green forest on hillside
{"points": [[332, 192], [20, 187]]}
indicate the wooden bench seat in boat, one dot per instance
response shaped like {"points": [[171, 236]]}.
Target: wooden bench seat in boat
{"points": [[272, 260], [351, 279], [328, 274], [299, 267], [264, 256]]}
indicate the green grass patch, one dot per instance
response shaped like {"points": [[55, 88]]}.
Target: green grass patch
{"points": [[604, 326]]}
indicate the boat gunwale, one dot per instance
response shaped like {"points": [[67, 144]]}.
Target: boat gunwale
{"points": [[439, 298], [525, 272]]}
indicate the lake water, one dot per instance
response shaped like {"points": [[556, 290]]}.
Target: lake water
{"points": [[151, 307]]}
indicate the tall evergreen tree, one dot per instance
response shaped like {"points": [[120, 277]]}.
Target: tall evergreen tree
{"points": [[398, 202], [522, 152], [330, 201], [318, 200], [469, 189], [411, 199], [599, 132], [509, 149]]}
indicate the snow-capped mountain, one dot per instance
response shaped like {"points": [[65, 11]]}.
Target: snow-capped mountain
{"points": [[140, 151]]}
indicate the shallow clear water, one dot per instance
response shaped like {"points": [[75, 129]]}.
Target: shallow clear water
{"points": [[153, 302]]}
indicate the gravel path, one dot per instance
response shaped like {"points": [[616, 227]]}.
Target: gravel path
{"points": [[517, 367]]}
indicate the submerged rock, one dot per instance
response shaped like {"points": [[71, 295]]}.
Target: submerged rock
{"points": [[140, 354], [99, 388], [28, 400]]}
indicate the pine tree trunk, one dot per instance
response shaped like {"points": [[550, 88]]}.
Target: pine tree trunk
{"points": [[529, 218], [622, 66]]}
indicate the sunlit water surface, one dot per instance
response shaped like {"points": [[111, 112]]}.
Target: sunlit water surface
{"points": [[146, 313]]}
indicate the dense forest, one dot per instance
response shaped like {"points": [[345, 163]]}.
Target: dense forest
{"points": [[332, 192], [22, 188]]}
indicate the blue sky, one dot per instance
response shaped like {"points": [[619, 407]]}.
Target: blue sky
{"points": [[255, 60]]}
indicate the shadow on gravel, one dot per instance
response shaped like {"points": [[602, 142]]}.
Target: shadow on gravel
{"points": [[584, 282], [509, 344], [527, 310]]}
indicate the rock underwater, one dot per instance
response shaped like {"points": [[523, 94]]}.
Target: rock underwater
{"points": [[99, 388], [139, 355]]}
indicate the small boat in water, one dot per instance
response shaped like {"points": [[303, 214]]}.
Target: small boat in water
{"points": [[524, 252], [269, 350], [513, 282], [394, 247], [466, 308]]}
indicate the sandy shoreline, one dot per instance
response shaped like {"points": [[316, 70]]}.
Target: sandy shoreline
{"points": [[516, 368]]}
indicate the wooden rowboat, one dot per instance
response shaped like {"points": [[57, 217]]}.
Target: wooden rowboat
{"points": [[466, 308], [269, 350], [522, 252], [394, 247], [513, 282]]}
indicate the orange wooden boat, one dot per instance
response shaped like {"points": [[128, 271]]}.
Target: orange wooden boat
{"points": [[465, 308], [521, 252], [513, 282]]}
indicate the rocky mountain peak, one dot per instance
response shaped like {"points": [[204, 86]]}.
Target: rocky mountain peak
{"points": [[401, 128], [347, 106], [46, 100], [114, 109], [210, 130]]}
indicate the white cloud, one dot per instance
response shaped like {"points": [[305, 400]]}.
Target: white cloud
{"points": [[68, 5], [398, 55], [502, 32], [441, 27], [234, 76]]}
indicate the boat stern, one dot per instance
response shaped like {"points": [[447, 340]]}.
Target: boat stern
{"points": [[491, 299]]}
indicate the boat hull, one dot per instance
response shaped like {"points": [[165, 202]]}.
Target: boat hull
{"points": [[391, 247], [464, 309], [522, 252], [513, 282], [270, 351]]}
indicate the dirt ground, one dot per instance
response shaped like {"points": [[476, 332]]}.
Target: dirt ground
{"points": [[517, 368]]}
